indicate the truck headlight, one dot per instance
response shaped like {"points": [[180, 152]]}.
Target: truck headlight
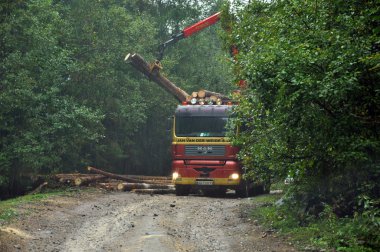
{"points": [[175, 175], [234, 176]]}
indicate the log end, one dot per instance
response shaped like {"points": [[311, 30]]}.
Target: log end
{"points": [[128, 57]]}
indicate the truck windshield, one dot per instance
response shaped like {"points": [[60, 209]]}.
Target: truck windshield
{"points": [[201, 126]]}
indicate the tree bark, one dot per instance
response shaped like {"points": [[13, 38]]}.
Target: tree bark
{"points": [[152, 71]]}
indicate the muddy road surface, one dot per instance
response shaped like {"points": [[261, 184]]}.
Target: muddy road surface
{"points": [[99, 221]]}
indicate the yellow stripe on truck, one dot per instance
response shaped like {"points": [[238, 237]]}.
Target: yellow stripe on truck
{"points": [[201, 140], [217, 181]]}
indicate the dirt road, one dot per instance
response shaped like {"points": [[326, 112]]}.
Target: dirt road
{"points": [[130, 222]]}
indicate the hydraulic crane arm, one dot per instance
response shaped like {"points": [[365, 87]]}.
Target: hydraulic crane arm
{"points": [[188, 31]]}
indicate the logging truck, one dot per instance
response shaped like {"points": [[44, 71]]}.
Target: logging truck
{"points": [[202, 154]]}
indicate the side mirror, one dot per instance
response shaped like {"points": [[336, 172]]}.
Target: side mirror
{"points": [[169, 124]]}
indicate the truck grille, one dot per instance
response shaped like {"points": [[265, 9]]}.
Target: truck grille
{"points": [[205, 150]]}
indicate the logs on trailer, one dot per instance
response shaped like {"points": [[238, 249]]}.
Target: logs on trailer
{"points": [[153, 73]]}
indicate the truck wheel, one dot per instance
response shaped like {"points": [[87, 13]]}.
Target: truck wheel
{"points": [[182, 190], [249, 189]]}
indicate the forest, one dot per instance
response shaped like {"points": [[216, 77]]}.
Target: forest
{"points": [[69, 100], [309, 111]]}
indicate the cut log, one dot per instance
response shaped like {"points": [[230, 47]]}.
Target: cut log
{"points": [[108, 186], [201, 93], [213, 98], [154, 191], [158, 182], [112, 175], [39, 188], [153, 73], [132, 186], [142, 177], [85, 180], [194, 94], [218, 95]]}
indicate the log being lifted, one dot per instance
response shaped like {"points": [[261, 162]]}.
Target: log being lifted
{"points": [[153, 73]]}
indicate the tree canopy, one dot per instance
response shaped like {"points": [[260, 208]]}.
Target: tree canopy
{"points": [[311, 108], [69, 100]]}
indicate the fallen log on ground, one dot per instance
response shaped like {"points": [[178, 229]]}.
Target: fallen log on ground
{"points": [[39, 188], [152, 71], [126, 177], [132, 186], [154, 191], [76, 179], [109, 186], [157, 182], [112, 175], [85, 180], [142, 177]]}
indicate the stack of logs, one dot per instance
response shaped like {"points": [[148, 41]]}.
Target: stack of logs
{"points": [[116, 182], [205, 97]]}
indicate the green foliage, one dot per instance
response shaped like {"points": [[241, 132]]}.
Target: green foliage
{"points": [[312, 103], [69, 100], [311, 109], [325, 231]]}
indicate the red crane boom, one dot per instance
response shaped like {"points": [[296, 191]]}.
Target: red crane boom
{"points": [[188, 31]]}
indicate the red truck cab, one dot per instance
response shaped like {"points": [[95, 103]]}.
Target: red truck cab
{"points": [[202, 156]]}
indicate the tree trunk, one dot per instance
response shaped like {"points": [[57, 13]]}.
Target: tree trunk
{"points": [[152, 71]]}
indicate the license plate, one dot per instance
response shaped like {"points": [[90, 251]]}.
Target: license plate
{"points": [[208, 182]]}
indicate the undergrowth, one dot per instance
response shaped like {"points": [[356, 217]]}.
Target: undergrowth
{"points": [[10, 209], [326, 232]]}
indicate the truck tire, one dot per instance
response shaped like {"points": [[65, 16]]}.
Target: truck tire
{"points": [[182, 190], [249, 189]]}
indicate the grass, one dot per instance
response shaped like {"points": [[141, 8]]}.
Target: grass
{"points": [[11, 208], [325, 233]]}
